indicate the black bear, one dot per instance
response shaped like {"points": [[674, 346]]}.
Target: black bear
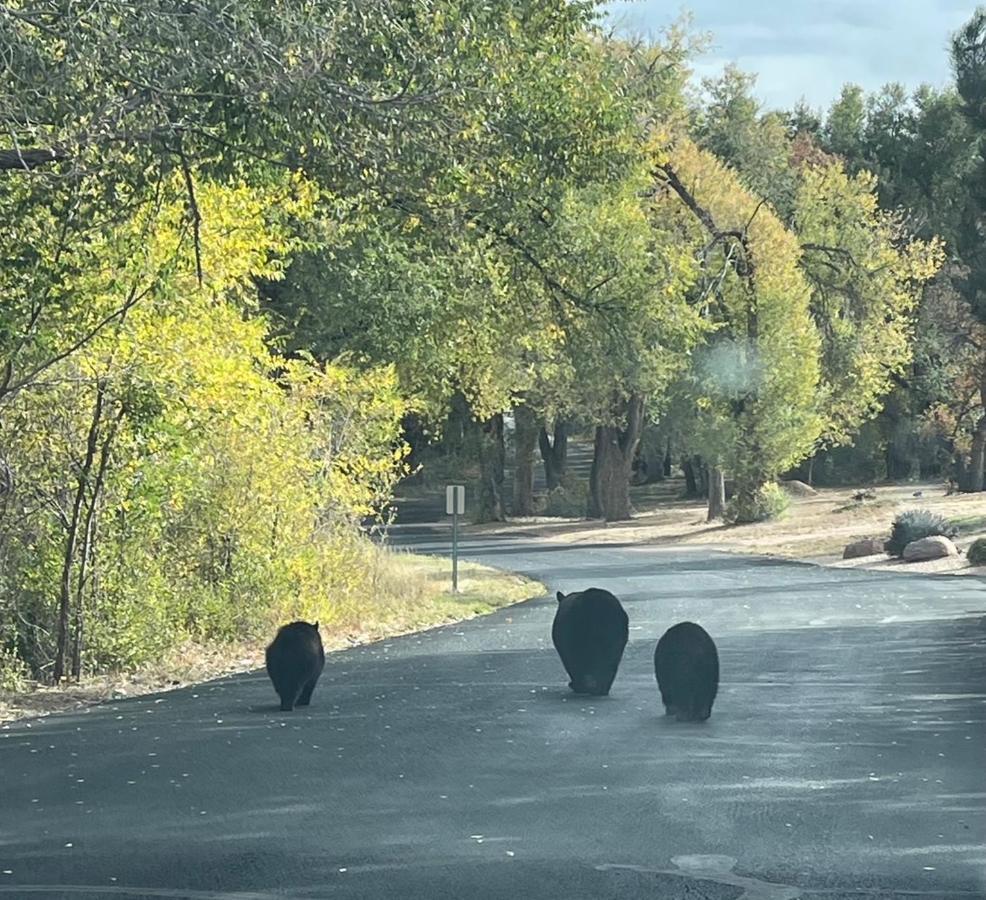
{"points": [[295, 659], [590, 632], [687, 668]]}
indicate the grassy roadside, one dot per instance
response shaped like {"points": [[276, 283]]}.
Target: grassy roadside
{"points": [[423, 601]]}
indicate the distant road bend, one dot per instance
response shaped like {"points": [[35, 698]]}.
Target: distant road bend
{"points": [[844, 757]]}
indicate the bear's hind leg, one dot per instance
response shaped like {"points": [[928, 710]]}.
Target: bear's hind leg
{"points": [[578, 685], [289, 696], [605, 678], [305, 697], [669, 708]]}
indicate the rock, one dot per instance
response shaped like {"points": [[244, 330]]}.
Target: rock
{"points": [[935, 547], [799, 488], [867, 547], [918, 494], [862, 496]]}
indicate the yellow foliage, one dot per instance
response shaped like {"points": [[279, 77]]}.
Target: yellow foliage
{"points": [[756, 377], [234, 482]]}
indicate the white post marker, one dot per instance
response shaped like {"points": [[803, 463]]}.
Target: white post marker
{"points": [[455, 506]]}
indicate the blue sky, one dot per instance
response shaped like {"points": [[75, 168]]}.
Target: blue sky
{"points": [[809, 48]]}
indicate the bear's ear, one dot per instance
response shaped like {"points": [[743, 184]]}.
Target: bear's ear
{"points": [[316, 624], [560, 596]]}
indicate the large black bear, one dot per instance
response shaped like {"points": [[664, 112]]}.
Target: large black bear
{"points": [[590, 632], [687, 668], [295, 659]]}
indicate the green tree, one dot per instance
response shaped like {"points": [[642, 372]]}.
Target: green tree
{"points": [[397, 105], [624, 268], [969, 60], [866, 274], [484, 296], [845, 123], [734, 127], [173, 479], [753, 383], [864, 268]]}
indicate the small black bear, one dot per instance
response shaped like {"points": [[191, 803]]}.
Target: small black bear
{"points": [[295, 659], [590, 632], [687, 668]]}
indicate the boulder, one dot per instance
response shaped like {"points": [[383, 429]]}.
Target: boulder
{"points": [[935, 547], [867, 547], [798, 489]]}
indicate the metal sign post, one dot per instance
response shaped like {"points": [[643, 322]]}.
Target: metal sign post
{"points": [[455, 506]]}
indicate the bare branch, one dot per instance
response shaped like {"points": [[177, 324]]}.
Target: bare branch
{"points": [[743, 264], [133, 298], [30, 158], [193, 209]]}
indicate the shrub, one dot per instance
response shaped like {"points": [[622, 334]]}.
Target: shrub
{"points": [[767, 503], [439, 468], [916, 524], [569, 500], [977, 552], [14, 673]]}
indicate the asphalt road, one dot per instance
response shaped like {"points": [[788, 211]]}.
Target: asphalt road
{"points": [[844, 757]]}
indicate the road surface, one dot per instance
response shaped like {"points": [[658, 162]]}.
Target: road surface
{"points": [[845, 756]]}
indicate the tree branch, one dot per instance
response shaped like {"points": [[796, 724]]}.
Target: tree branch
{"points": [[744, 266], [30, 158], [118, 313], [193, 210]]}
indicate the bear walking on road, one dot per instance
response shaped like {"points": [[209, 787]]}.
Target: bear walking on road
{"points": [[687, 668], [590, 632], [295, 659]]}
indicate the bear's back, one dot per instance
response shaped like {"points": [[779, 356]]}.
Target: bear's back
{"points": [[593, 608]]}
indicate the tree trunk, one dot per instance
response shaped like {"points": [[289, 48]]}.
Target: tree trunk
{"points": [[959, 472], [78, 624], [977, 463], [63, 635], [525, 440], [717, 494], [65, 591], [649, 464], [701, 476], [612, 463], [668, 460], [696, 477], [691, 482], [976, 473], [811, 470], [88, 556], [492, 456], [456, 426], [554, 454], [745, 496]]}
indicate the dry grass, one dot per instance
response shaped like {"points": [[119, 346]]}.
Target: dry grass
{"points": [[412, 593], [814, 528]]}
